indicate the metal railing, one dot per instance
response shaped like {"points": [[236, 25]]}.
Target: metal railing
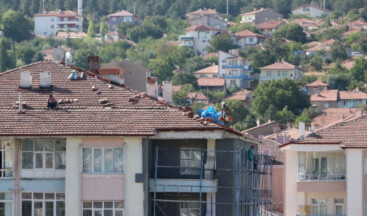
{"points": [[321, 177]]}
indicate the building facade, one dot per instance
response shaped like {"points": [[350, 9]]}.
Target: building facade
{"points": [[280, 70], [256, 17], [122, 17], [48, 23], [311, 10]]}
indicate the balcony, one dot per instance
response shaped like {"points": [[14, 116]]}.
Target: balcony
{"points": [[243, 77], [183, 185], [321, 177], [187, 37]]}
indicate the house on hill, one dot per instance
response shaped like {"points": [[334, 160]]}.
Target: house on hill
{"points": [[122, 17], [311, 10], [280, 70], [256, 17]]}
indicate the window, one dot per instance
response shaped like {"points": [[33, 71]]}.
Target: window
{"points": [[43, 204], [338, 207], [285, 73], [52, 19], [202, 35], [278, 73], [223, 66], [190, 161], [103, 160], [223, 61], [319, 207], [6, 158], [326, 105], [52, 26], [189, 208], [43, 153], [6, 203], [251, 40], [204, 41], [268, 73], [108, 208]]}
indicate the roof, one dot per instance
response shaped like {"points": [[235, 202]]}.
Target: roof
{"points": [[247, 33], [203, 12], [281, 65], [352, 95], [306, 22], [240, 95], [349, 134], [196, 96], [351, 32], [210, 55], [264, 129], [271, 148], [209, 70], [176, 88], [270, 24], [325, 95], [80, 110], [314, 6], [332, 115], [215, 82], [292, 133], [67, 13], [317, 83], [201, 27], [122, 13], [71, 34], [256, 11]]}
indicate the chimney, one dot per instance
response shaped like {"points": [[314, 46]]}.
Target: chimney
{"points": [[94, 64], [359, 113], [80, 7], [152, 87], [68, 58], [258, 122], [301, 128], [45, 79], [167, 91], [25, 79]]}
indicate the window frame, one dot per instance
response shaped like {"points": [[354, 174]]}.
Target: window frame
{"points": [[4, 169], [338, 204], [103, 161], [103, 208], [188, 207], [191, 168], [318, 205], [5, 201], [55, 200]]}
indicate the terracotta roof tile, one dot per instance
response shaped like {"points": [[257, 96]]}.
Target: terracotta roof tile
{"points": [[279, 66], [325, 95], [216, 82], [196, 96], [122, 13], [203, 12], [317, 83], [67, 13], [209, 70], [352, 95], [256, 11], [270, 24], [331, 115], [240, 95], [247, 33], [176, 88], [210, 55]]}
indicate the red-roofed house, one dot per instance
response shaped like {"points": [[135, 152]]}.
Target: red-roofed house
{"points": [[71, 35], [256, 17], [122, 17], [243, 95], [248, 38], [217, 84], [311, 10], [280, 70], [314, 87], [196, 98], [48, 23], [203, 12], [269, 27], [307, 24], [208, 72], [209, 20]]}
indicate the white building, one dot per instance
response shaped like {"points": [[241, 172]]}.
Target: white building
{"points": [[256, 17], [48, 23], [234, 69], [246, 38], [280, 70], [311, 10]]}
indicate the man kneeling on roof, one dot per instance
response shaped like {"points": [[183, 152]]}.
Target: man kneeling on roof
{"points": [[51, 102]]}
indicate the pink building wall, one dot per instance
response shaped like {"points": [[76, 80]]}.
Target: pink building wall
{"points": [[278, 187]]}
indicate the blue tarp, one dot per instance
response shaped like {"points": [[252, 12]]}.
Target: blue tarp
{"points": [[210, 113]]}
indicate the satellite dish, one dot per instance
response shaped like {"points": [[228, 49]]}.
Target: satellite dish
{"points": [[68, 58], [58, 54]]}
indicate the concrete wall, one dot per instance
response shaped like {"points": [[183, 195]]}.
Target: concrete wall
{"points": [[42, 26], [103, 188], [278, 188], [350, 103], [290, 191], [313, 12], [355, 178], [222, 62], [321, 105], [291, 74]]}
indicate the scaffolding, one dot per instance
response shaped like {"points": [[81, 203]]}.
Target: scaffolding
{"points": [[251, 182]]}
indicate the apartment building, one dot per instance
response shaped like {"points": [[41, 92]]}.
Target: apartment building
{"points": [[256, 17], [311, 10], [280, 70], [122, 17], [108, 150], [48, 23], [325, 172], [234, 69]]}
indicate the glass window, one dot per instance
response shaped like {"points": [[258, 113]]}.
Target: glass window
{"points": [[103, 160], [43, 204], [6, 204], [268, 73], [190, 161], [319, 207], [6, 158], [43, 153], [338, 207], [189, 208], [110, 208]]}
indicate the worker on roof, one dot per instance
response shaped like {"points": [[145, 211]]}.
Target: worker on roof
{"points": [[51, 102], [225, 113]]}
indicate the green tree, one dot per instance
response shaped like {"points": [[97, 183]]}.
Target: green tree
{"points": [[221, 42], [179, 98], [15, 26], [316, 62], [359, 70], [337, 77], [185, 78], [282, 6], [123, 27], [238, 111], [363, 45], [338, 52], [280, 93], [3, 57], [103, 30], [26, 54], [196, 63], [307, 79], [91, 33], [161, 68], [292, 31], [284, 116], [242, 27], [306, 116], [158, 21]]}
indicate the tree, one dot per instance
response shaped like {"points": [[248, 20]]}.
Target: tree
{"points": [[185, 78], [103, 30], [307, 79], [279, 93], [338, 52], [337, 77], [363, 45], [316, 62], [161, 68], [306, 116], [284, 116], [179, 97], [15, 26], [91, 33], [221, 42], [196, 63], [26, 54], [282, 6], [292, 31], [123, 27], [158, 21], [358, 71], [3, 56], [238, 111], [242, 27]]}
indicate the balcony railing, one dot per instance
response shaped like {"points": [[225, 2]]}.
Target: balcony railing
{"points": [[321, 177], [239, 77], [187, 36]]}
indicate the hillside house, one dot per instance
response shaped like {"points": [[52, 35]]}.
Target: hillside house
{"points": [[280, 70], [122, 17], [311, 10], [256, 17]]}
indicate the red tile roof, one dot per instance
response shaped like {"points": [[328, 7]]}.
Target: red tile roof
{"points": [[209, 70], [176, 88], [317, 83], [352, 95], [270, 24], [196, 96], [71, 34], [201, 27], [256, 11], [247, 33], [210, 55], [351, 32], [332, 115], [240, 95], [67, 13], [204, 12], [80, 110], [325, 95], [215, 82], [281, 65], [122, 13]]}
